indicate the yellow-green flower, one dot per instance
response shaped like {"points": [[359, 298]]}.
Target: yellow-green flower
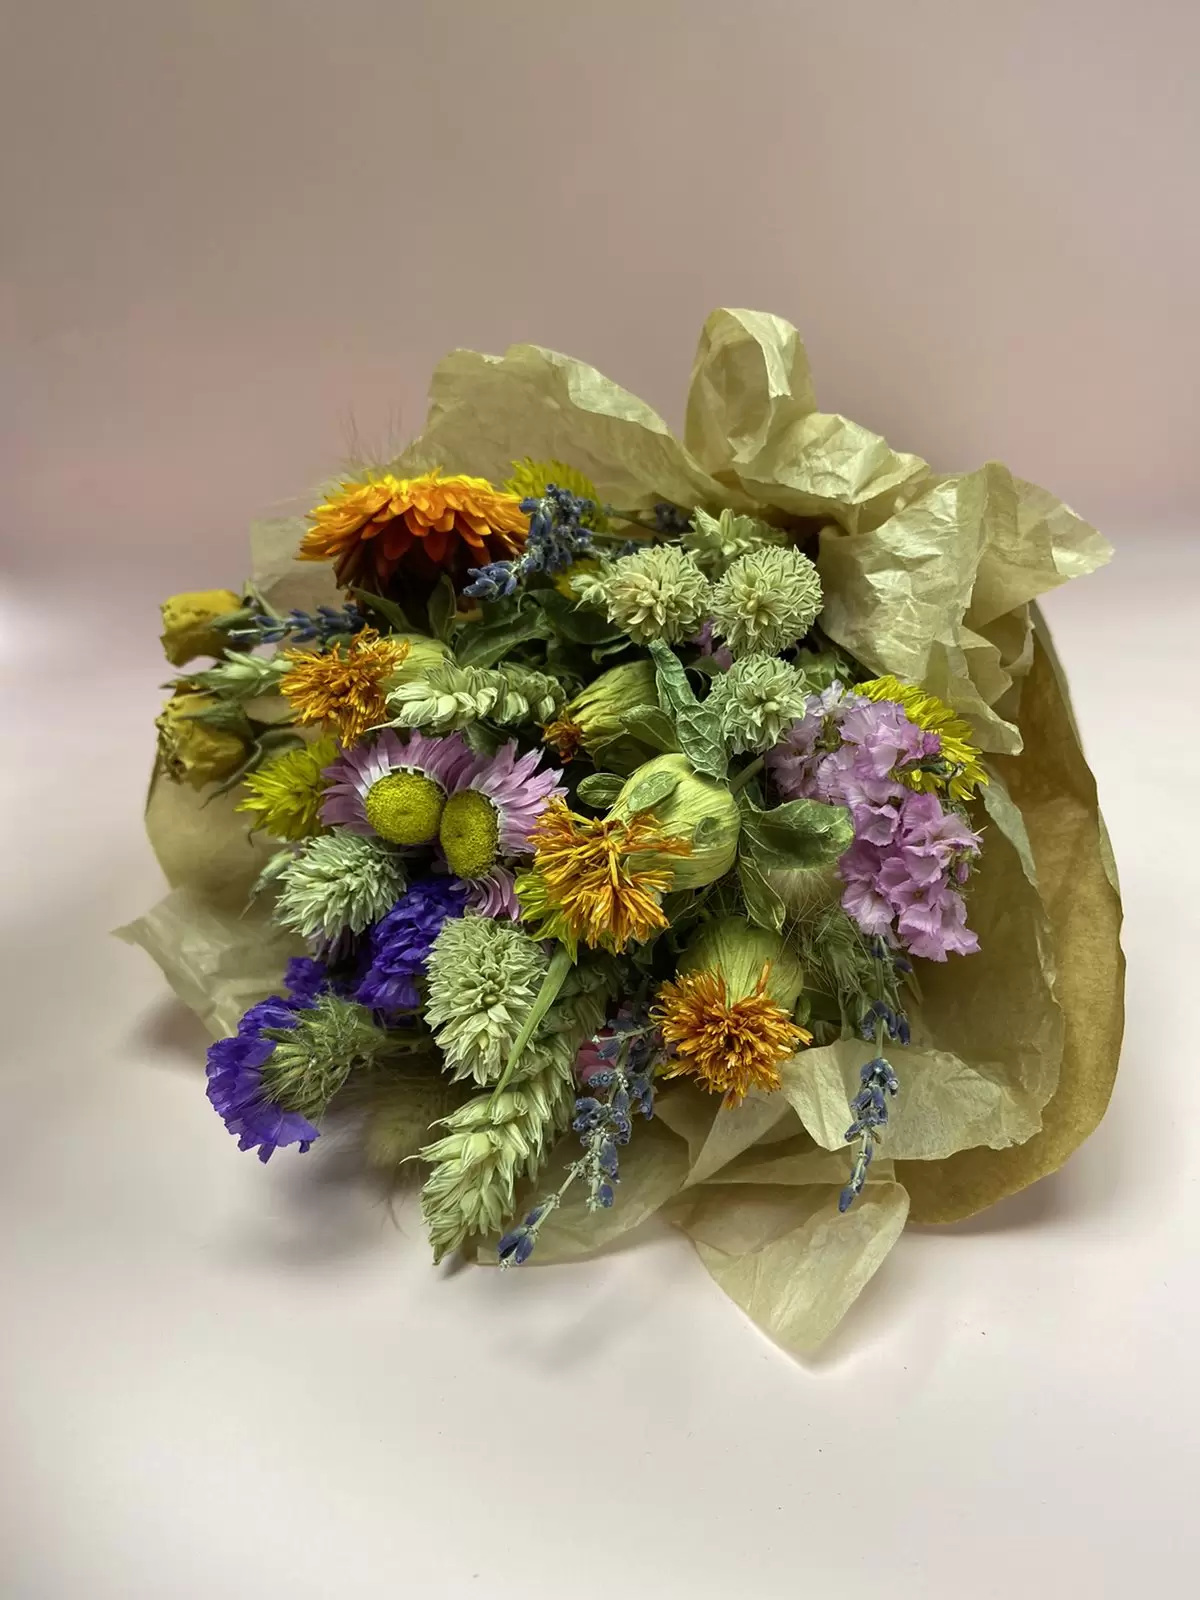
{"points": [[935, 716], [287, 790], [716, 542], [767, 600], [656, 593], [530, 479], [195, 751], [188, 620]]}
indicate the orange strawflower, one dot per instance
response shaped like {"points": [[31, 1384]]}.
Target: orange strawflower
{"points": [[584, 885], [730, 1047], [344, 692], [428, 525]]}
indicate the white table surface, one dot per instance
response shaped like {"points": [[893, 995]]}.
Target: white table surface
{"points": [[221, 1379]]}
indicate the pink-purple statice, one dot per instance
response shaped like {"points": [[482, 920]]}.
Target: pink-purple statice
{"points": [[910, 856]]}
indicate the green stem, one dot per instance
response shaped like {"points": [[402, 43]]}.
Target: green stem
{"points": [[743, 777]]}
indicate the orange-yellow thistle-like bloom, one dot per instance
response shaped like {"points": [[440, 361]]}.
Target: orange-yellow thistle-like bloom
{"points": [[428, 525], [344, 692], [731, 1047], [585, 885]]}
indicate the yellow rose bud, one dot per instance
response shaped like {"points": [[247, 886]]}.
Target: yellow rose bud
{"points": [[690, 807], [188, 620], [192, 751]]}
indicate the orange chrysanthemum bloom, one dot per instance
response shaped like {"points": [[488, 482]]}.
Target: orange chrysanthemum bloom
{"points": [[427, 525], [584, 885], [344, 692], [731, 1047]]}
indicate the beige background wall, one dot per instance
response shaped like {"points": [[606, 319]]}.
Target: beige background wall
{"points": [[239, 232], [231, 232]]}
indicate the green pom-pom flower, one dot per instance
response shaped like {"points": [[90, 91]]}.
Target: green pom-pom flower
{"points": [[717, 541], [656, 593], [484, 977], [767, 601], [337, 882], [757, 700]]}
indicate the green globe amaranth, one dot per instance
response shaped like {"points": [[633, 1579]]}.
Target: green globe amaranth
{"points": [[766, 602], [758, 699], [657, 593], [717, 541]]}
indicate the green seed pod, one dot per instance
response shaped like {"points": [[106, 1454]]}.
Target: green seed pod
{"points": [[690, 807], [423, 653], [596, 716], [806, 890], [738, 950]]}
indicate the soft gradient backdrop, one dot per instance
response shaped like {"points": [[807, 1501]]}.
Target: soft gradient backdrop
{"points": [[239, 233], [236, 236]]}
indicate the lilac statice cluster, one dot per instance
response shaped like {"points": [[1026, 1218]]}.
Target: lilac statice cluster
{"points": [[903, 873], [557, 538], [235, 1068], [399, 944], [616, 1070], [319, 627]]}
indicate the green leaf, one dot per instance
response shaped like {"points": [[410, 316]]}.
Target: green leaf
{"points": [[556, 974], [800, 833], [584, 624], [705, 831], [652, 726], [599, 789], [763, 905], [648, 791], [442, 607], [483, 644], [696, 726], [389, 610]]}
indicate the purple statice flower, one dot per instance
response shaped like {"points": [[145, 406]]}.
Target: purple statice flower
{"points": [[909, 856], [305, 979], [400, 943], [235, 1082], [810, 740], [708, 646], [902, 874]]}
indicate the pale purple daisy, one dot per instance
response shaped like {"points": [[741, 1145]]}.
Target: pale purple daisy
{"points": [[493, 808], [395, 786], [494, 895]]}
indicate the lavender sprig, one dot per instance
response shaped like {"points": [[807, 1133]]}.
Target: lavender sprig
{"points": [[624, 1085], [557, 537], [319, 627], [878, 1079]]}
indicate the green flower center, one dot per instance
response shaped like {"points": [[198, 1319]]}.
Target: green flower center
{"points": [[469, 832], [405, 807]]}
